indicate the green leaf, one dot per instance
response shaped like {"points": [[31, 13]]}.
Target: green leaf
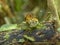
{"points": [[21, 40], [7, 27], [40, 26], [29, 38], [58, 29]]}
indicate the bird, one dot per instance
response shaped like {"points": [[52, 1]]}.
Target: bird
{"points": [[31, 19]]}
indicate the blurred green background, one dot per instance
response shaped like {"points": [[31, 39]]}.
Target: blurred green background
{"points": [[13, 11]]}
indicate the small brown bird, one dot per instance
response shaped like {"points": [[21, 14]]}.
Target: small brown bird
{"points": [[31, 19]]}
